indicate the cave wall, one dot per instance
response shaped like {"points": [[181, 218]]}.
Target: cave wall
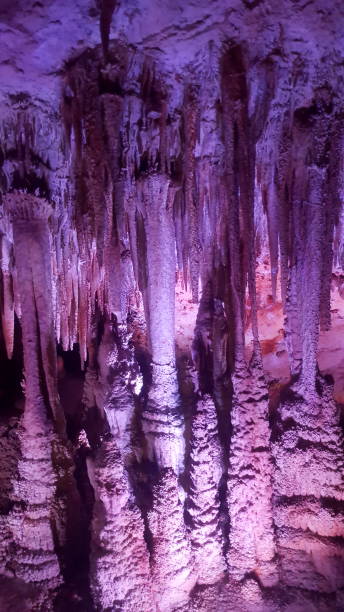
{"points": [[146, 146]]}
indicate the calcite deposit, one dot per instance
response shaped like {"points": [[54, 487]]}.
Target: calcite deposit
{"points": [[171, 293]]}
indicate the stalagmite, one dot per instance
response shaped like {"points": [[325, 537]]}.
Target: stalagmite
{"points": [[251, 541], [308, 488], [173, 570], [34, 559], [204, 507], [120, 572]]}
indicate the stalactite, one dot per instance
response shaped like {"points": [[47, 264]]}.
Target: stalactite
{"points": [[203, 508], [29, 216], [172, 562], [7, 311], [315, 218], [162, 420], [107, 9], [271, 207], [332, 191], [190, 129], [233, 86]]}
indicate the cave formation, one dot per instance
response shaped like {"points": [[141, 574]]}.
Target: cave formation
{"points": [[172, 316]]}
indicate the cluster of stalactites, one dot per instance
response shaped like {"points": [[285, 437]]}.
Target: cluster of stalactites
{"points": [[300, 180]]}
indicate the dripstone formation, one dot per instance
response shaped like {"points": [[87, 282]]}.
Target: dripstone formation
{"points": [[156, 160]]}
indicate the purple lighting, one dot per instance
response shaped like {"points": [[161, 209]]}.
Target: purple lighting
{"points": [[171, 297]]}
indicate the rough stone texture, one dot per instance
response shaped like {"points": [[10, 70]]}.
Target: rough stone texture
{"points": [[308, 490], [143, 142], [204, 505], [111, 384], [120, 572], [173, 570], [252, 545], [9, 452]]}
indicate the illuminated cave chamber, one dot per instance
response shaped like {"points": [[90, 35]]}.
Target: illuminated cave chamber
{"points": [[171, 263]]}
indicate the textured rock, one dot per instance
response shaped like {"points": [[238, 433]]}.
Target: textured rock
{"points": [[43, 489], [120, 572], [112, 382], [252, 546], [308, 489], [162, 422], [204, 506], [183, 141], [173, 570], [31, 520]]}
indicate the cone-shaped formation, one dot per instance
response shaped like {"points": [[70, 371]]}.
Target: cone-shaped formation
{"points": [[309, 492], [35, 559], [9, 457], [34, 491], [173, 570], [204, 506], [251, 542], [43, 489], [120, 572]]}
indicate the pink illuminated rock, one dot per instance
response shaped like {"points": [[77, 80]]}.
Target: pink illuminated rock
{"points": [[173, 571], [308, 488], [187, 149], [204, 507], [252, 546], [120, 572], [34, 558]]}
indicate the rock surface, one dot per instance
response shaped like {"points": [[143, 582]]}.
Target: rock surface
{"points": [[171, 226]]}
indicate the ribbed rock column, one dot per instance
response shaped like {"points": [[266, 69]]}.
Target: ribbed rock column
{"points": [[309, 493], [172, 560], [162, 422], [32, 518], [252, 546], [204, 506], [120, 572]]}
